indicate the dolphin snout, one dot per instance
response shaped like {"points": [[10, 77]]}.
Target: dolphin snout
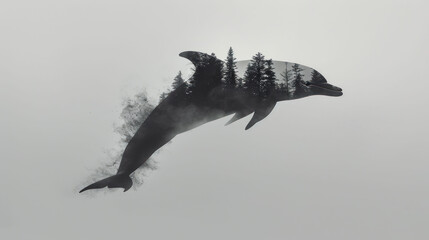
{"points": [[328, 89]]}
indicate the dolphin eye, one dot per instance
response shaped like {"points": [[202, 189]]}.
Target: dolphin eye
{"points": [[307, 83]]}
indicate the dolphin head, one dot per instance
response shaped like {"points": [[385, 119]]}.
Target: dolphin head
{"points": [[315, 85], [318, 85]]}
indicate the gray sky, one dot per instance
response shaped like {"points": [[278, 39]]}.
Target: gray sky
{"points": [[354, 167]]}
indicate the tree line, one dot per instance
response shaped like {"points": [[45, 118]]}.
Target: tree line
{"points": [[259, 78]]}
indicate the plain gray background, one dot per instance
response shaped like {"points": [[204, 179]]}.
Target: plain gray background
{"points": [[354, 167]]}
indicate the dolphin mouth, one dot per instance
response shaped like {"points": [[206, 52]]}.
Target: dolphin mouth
{"points": [[328, 89]]}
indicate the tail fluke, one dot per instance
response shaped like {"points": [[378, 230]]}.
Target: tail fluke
{"points": [[115, 181]]}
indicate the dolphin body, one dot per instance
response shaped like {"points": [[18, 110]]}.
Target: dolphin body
{"points": [[200, 100]]}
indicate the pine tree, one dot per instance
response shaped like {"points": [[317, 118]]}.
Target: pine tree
{"points": [[269, 79], [254, 74], [178, 80], [316, 77], [231, 69], [297, 81], [286, 77], [163, 96]]}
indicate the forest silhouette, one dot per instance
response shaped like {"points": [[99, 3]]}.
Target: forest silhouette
{"points": [[259, 79]]}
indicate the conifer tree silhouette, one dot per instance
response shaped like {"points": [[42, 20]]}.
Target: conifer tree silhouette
{"points": [[254, 74], [316, 77], [230, 69], [286, 77], [297, 80], [269, 80], [178, 80]]}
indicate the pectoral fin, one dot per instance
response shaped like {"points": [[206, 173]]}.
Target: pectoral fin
{"points": [[239, 115], [261, 112]]}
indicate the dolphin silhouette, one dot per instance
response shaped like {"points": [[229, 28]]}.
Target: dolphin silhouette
{"points": [[202, 99]]}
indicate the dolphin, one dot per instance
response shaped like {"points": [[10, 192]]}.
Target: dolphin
{"points": [[204, 98]]}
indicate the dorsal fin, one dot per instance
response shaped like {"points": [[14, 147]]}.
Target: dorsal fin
{"points": [[207, 75], [198, 58]]}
